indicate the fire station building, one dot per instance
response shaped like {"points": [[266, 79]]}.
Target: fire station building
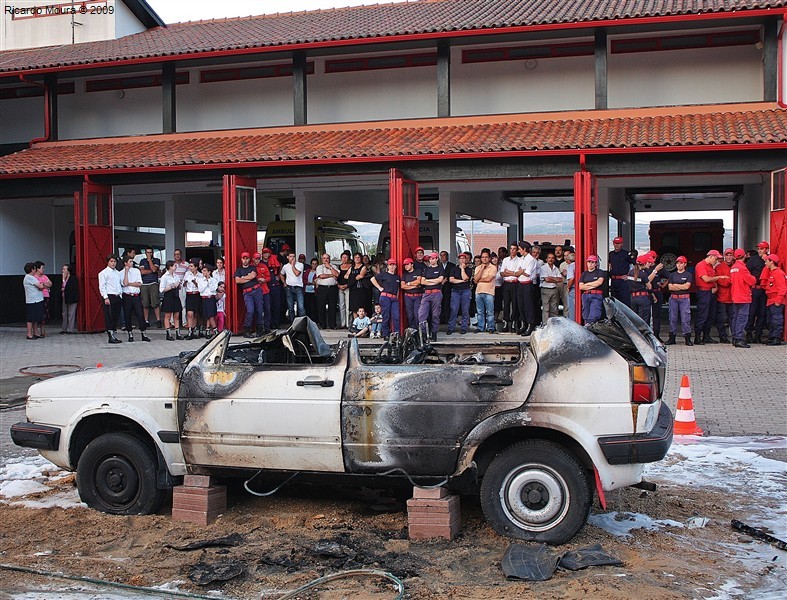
{"points": [[487, 108]]}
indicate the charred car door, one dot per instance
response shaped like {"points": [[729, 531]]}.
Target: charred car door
{"points": [[241, 413], [415, 416]]}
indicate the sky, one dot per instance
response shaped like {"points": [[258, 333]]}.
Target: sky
{"points": [[174, 11]]}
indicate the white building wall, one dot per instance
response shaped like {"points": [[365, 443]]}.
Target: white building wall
{"points": [[246, 103], [125, 21], [113, 113], [675, 77], [27, 239], [514, 86], [21, 120], [371, 95], [56, 29]]}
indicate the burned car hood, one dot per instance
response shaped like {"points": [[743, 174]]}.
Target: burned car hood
{"points": [[139, 379]]}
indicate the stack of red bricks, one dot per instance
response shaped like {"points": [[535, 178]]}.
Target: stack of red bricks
{"points": [[198, 500], [433, 513]]}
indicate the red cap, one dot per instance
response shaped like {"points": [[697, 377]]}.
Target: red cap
{"points": [[763, 244], [245, 255], [729, 251], [434, 255], [256, 255], [714, 253], [617, 240], [419, 249], [773, 257], [740, 253], [652, 254], [391, 261], [592, 258], [268, 250], [407, 261], [285, 247], [643, 259], [681, 259]]}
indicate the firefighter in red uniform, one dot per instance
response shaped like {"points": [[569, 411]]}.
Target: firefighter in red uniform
{"points": [[705, 279], [741, 283], [775, 285], [724, 313]]}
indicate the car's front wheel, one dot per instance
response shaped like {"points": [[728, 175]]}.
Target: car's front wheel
{"points": [[536, 490], [116, 474]]}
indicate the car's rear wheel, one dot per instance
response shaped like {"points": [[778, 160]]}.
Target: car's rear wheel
{"points": [[116, 474], [536, 490]]}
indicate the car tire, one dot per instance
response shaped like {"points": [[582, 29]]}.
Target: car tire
{"points": [[558, 493], [116, 474]]}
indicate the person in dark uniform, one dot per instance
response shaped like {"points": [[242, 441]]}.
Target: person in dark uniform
{"points": [[705, 279], [249, 287], [658, 283], [620, 262], [275, 287], [448, 268], [419, 261], [639, 285], [411, 286], [757, 311], [590, 283], [388, 283], [432, 278], [678, 283], [460, 277]]}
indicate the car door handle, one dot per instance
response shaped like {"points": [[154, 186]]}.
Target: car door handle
{"points": [[318, 382], [492, 380]]}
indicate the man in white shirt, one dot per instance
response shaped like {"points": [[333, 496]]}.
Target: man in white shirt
{"points": [[550, 277], [132, 300], [510, 270], [326, 281], [181, 268], [110, 288], [527, 290], [293, 286]]}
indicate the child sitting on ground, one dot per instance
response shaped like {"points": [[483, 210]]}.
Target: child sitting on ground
{"points": [[377, 322], [361, 325]]}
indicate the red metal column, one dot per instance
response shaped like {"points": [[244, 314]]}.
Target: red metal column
{"points": [[240, 235], [93, 237], [778, 229], [403, 224], [585, 227]]}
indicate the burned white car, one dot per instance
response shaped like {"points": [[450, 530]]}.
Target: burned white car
{"points": [[533, 427]]}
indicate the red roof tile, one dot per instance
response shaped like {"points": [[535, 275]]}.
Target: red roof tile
{"points": [[383, 141], [359, 23]]}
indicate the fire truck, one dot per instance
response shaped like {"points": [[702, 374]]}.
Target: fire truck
{"points": [[691, 239]]}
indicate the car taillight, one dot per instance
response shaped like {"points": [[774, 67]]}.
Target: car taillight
{"points": [[644, 388]]}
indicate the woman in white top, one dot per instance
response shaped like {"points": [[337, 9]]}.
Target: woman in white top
{"points": [[169, 285], [193, 300], [219, 273]]}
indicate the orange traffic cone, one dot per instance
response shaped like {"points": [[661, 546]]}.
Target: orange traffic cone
{"points": [[685, 423]]}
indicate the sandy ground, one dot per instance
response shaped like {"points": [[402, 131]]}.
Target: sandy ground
{"points": [[279, 535]]}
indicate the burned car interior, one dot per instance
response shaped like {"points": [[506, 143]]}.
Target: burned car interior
{"points": [[302, 344]]}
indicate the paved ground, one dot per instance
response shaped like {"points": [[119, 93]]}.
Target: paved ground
{"points": [[735, 391]]}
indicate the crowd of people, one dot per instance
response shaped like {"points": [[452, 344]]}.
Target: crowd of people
{"points": [[513, 290], [741, 294]]}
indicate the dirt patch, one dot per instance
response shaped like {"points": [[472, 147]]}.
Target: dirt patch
{"points": [[309, 531]]}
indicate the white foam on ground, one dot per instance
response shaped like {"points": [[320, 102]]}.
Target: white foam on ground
{"points": [[25, 476], [621, 524]]}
